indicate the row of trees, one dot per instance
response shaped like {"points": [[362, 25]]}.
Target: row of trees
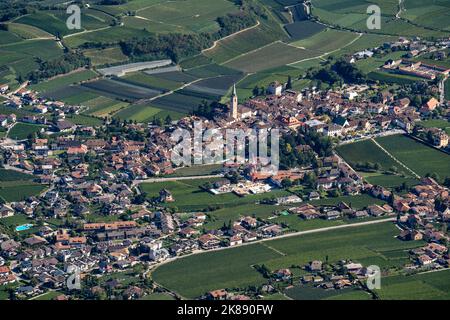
{"points": [[176, 45], [61, 65]]}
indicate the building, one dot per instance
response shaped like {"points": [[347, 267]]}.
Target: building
{"points": [[234, 104], [275, 88]]}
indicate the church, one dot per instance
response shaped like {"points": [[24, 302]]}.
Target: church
{"points": [[243, 112]]}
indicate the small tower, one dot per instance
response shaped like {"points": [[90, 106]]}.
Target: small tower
{"points": [[234, 103]]}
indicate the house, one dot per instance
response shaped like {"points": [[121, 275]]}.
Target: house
{"points": [[220, 294], [333, 130], [331, 215], [6, 211], [407, 235], [283, 274], [315, 265], [4, 88], [424, 260], [209, 241], [165, 196], [429, 106], [235, 240]]}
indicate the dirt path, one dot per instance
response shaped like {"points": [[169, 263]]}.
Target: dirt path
{"points": [[395, 159], [231, 35], [326, 53]]}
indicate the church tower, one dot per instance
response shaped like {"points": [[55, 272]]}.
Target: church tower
{"points": [[234, 103]]}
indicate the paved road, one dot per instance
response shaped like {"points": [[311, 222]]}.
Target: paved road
{"points": [[288, 235], [372, 136]]}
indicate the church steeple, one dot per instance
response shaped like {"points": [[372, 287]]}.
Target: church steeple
{"points": [[234, 103]]}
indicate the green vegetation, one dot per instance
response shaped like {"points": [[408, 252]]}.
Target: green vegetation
{"points": [[16, 186], [64, 80], [189, 195], [21, 131], [194, 275], [427, 286], [269, 57], [419, 157], [352, 15]]}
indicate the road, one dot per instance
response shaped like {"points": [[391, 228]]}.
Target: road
{"points": [[288, 235], [372, 136]]}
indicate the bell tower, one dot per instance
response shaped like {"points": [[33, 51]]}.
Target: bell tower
{"points": [[234, 103]]}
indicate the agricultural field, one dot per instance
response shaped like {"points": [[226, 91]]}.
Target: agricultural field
{"points": [[363, 152], [418, 157], [431, 15], [367, 151], [21, 131], [20, 57], [190, 197], [393, 78], [231, 268], [25, 31], [16, 186], [352, 15], [327, 41], [54, 21], [100, 57], [64, 80], [236, 45], [121, 90], [189, 15], [425, 286], [303, 29], [269, 57]]}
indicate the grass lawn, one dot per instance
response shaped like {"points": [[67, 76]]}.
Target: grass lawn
{"points": [[232, 268]]}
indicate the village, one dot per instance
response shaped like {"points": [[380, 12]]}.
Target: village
{"points": [[92, 215]]}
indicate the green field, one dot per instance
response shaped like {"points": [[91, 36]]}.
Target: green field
{"points": [[367, 151], [327, 41], [271, 56], [21, 131], [417, 156], [236, 45], [232, 268], [105, 56], [189, 196], [189, 15], [16, 186], [64, 80], [352, 15], [426, 286]]}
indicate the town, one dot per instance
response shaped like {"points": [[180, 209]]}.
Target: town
{"points": [[104, 202]]}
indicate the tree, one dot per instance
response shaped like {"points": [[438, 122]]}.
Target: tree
{"points": [[168, 120], [289, 83]]}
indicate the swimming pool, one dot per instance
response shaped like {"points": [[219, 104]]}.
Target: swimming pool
{"points": [[24, 227]]}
